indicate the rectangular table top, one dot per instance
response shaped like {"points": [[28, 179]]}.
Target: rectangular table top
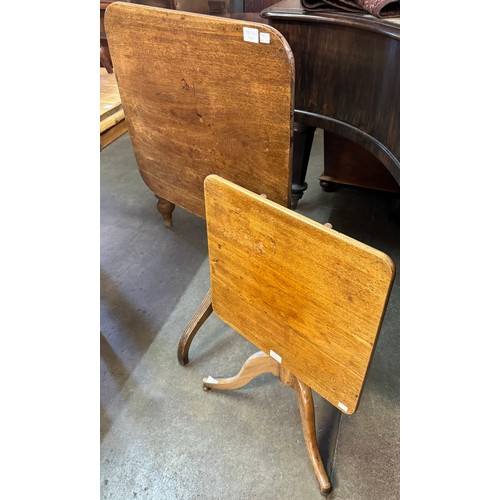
{"points": [[311, 297], [204, 95]]}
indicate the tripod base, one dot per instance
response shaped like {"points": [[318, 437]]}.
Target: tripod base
{"points": [[260, 363]]}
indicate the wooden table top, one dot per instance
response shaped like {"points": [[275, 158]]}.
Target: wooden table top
{"points": [[309, 296], [203, 95]]}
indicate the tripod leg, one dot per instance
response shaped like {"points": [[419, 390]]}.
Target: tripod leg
{"points": [[255, 365], [306, 405], [200, 316]]}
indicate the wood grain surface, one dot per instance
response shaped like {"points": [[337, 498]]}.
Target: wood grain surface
{"points": [[112, 122], [110, 102], [313, 296], [198, 100]]}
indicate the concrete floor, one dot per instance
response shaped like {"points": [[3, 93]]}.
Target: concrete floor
{"points": [[162, 436]]}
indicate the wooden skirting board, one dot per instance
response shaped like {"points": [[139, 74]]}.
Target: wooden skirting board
{"points": [[112, 117]]}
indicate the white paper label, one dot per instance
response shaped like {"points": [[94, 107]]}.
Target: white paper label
{"points": [[277, 357], [265, 37], [250, 34], [342, 406], [211, 380]]}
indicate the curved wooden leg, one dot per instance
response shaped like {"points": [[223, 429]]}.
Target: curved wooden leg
{"points": [[166, 208], [306, 405], [260, 363], [255, 365], [200, 316]]}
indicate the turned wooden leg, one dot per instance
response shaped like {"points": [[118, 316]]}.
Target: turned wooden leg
{"points": [[200, 316], [255, 365], [303, 137], [166, 208], [306, 406]]}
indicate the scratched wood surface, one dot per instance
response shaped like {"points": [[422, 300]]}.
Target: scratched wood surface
{"points": [[313, 296], [198, 100]]}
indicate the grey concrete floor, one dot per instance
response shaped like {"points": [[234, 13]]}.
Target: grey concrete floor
{"points": [[162, 436]]}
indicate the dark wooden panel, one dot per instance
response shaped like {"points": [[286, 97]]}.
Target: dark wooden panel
{"points": [[348, 163], [258, 5], [347, 76]]}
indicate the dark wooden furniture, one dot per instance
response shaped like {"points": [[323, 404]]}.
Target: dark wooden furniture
{"points": [[348, 163], [105, 56], [106, 61], [258, 5], [347, 83], [273, 281]]}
